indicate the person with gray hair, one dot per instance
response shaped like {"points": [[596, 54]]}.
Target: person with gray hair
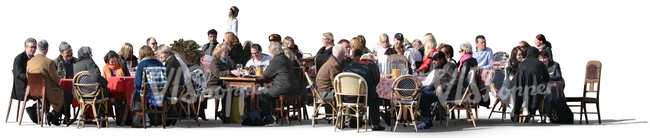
{"points": [[332, 67], [86, 63], [465, 64], [283, 80], [58, 98], [20, 77], [174, 69], [65, 61]]}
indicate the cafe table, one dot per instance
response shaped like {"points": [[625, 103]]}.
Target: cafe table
{"points": [[122, 88], [244, 82]]}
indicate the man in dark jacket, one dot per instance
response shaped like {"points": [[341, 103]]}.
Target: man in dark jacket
{"points": [[531, 73], [209, 47], [86, 63], [283, 80], [443, 83], [368, 69], [20, 76]]}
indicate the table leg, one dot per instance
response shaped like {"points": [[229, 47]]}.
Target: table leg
{"points": [[254, 102]]}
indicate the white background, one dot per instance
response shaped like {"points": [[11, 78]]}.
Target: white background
{"points": [[613, 32]]}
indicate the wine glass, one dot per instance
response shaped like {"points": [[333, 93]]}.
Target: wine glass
{"points": [[239, 68]]}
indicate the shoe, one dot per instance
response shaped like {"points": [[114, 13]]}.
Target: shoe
{"points": [[31, 112], [354, 125], [119, 112], [269, 119], [425, 125], [377, 128], [52, 118]]}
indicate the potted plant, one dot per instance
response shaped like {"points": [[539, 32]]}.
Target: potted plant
{"points": [[189, 50]]}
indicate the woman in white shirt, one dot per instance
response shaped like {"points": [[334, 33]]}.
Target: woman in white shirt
{"points": [[233, 23]]}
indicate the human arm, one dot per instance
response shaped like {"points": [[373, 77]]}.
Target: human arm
{"points": [[235, 26], [20, 68], [557, 73], [489, 59], [94, 71]]}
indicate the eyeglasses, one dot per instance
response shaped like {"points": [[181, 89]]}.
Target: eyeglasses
{"points": [[155, 43], [460, 51]]}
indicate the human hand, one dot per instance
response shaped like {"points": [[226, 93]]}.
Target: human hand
{"points": [[235, 72]]}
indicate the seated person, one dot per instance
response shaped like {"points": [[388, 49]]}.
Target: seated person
{"points": [[148, 60], [20, 76], [174, 70], [258, 59], [221, 66], [113, 67], [440, 85], [295, 62], [283, 80], [86, 63], [65, 61], [467, 63], [529, 67], [57, 97], [368, 69], [555, 74], [326, 75]]}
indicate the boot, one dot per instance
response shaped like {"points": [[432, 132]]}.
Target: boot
{"points": [[119, 112], [202, 114]]}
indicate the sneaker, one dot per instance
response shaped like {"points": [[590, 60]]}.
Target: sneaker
{"points": [[425, 125]]}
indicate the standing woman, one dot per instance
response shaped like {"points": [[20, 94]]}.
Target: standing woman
{"points": [[233, 23]]}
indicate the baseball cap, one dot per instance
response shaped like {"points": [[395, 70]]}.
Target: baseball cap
{"points": [[399, 36], [438, 55]]}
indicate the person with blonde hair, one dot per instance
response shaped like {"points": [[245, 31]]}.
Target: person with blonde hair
{"points": [[429, 49], [328, 43], [359, 46], [221, 66], [126, 56], [291, 45], [233, 23], [282, 78]]}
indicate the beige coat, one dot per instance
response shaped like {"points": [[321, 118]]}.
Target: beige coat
{"points": [[47, 67]]}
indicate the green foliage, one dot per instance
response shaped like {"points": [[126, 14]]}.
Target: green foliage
{"points": [[188, 49]]}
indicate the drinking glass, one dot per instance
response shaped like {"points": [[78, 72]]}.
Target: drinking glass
{"points": [[239, 68]]}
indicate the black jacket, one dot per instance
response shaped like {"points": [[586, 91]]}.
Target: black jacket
{"points": [[174, 71], [20, 76], [280, 72], [86, 63], [207, 48], [239, 55], [369, 71], [532, 64]]}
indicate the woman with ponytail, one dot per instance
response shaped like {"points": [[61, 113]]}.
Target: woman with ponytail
{"points": [[233, 23]]}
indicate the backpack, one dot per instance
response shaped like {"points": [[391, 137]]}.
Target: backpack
{"points": [[254, 118], [560, 112]]}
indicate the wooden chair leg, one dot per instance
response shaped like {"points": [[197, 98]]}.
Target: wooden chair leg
{"points": [[584, 107], [493, 108], [598, 111], [9, 109]]}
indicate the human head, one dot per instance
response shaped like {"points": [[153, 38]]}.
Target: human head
{"points": [[85, 52], [383, 40], [480, 42], [399, 50], [256, 51], [328, 39], [465, 48], [544, 57], [30, 46], [523, 46], [439, 59], [368, 56], [233, 12], [221, 51], [417, 44], [230, 39], [540, 40], [146, 51], [163, 53], [126, 51], [111, 58], [339, 52], [360, 43], [212, 36], [275, 38], [275, 49], [152, 43], [288, 42], [398, 39], [346, 47], [429, 43], [516, 56], [447, 49], [65, 51], [42, 47]]}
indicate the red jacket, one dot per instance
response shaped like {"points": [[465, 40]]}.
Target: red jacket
{"points": [[426, 61]]}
